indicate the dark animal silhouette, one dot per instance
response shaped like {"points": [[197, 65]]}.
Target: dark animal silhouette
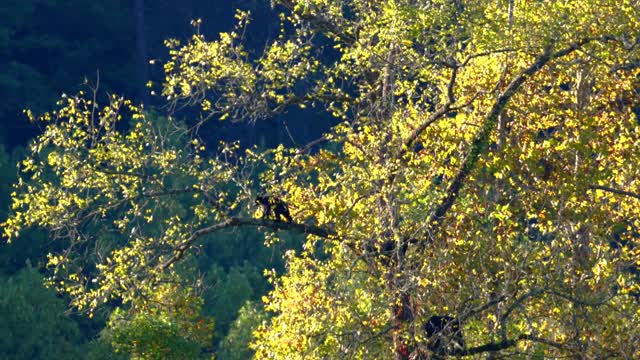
{"points": [[387, 250], [445, 335], [273, 208]]}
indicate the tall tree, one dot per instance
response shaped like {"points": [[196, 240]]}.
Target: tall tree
{"points": [[479, 195]]}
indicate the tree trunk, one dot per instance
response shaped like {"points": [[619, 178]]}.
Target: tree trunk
{"points": [[401, 318]]}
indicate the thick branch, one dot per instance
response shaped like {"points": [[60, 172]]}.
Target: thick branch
{"points": [[493, 346], [442, 111], [480, 143], [615, 191], [238, 222], [507, 344]]}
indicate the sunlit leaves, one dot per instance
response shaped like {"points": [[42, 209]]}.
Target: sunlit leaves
{"points": [[484, 168], [167, 327], [92, 184]]}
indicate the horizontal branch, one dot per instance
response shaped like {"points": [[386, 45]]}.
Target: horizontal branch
{"points": [[615, 191], [507, 344], [313, 143], [295, 100], [235, 222], [628, 66]]}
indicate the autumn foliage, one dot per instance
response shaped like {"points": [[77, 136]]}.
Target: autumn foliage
{"points": [[484, 166]]}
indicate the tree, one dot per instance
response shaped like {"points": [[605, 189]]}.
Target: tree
{"points": [[235, 346], [34, 325], [227, 294], [167, 327], [482, 169]]}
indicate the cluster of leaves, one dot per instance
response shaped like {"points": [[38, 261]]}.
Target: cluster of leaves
{"points": [[484, 168], [150, 182], [167, 327]]}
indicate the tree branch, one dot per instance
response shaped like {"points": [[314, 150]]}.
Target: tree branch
{"points": [[450, 99], [442, 111], [480, 143], [319, 22], [238, 222], [615, 191], [518, 302], [507, 344], [313, 143]]}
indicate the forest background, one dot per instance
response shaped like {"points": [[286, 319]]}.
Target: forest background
{"points": [[50, 47]]}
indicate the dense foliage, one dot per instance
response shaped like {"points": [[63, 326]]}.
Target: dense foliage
{"points": [[484, 167], [47, 48], [33, 323]]}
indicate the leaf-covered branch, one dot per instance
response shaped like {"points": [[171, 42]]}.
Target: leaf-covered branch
{"points": [[615, 191], [480, 144], [506, 344], [515, 258], [318, 21]]}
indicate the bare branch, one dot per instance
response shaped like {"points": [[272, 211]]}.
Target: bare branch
{"points": [[313, 143]]}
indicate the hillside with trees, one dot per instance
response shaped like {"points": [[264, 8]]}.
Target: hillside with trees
{"points": [[348, 179]]}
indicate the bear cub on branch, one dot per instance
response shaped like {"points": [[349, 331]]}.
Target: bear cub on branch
{"points": [[273, 208], [445, 335]]}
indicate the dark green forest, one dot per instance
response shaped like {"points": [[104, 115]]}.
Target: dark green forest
{"points": [[48, 48]]}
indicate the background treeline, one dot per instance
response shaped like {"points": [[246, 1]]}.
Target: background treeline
{"points": [[50, 47]]}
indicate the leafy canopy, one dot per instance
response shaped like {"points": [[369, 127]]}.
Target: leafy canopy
{"points": [[484, 167]]}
